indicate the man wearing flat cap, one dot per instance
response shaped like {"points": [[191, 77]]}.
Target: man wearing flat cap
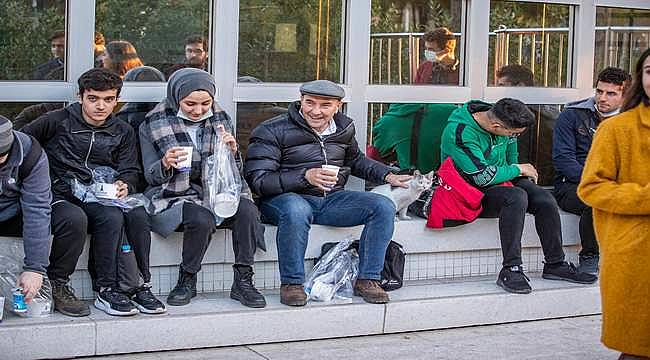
{"points": [[25, 203], [285, 166]]}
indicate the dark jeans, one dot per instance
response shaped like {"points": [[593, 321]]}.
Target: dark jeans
{"points": [[67, 222], [199, 224], [510, 205], [567, 198], [294, 213], [138, 232], [106, 225]]}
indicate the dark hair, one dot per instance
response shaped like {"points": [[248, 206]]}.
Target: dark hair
{"points": [[99, 79], [195, 38], [513, 113], [57, 34], [636, 94], [441, 36], [517, 74], [615, 76]]}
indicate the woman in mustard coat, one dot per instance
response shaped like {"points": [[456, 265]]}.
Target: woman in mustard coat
{"points": [[616, 183]]}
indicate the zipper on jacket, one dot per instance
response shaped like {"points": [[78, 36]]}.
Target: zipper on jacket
{"points": [[90, 148]]}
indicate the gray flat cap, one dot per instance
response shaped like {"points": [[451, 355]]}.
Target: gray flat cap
{"points": [[324, 88], [6, 135]]}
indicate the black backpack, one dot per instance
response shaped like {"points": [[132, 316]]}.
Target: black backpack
{"points": [[392, 276]]}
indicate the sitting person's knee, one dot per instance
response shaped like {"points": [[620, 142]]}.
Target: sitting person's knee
{"points": [[517, 197], [198, 217]]}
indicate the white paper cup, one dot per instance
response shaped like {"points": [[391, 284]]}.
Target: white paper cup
{"points": [[332, 169], [39, 308], [105, 191], [186, 164]]}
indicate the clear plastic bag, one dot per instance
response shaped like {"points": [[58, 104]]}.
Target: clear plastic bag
{"points": [[334, 275], [102, 190], [222, 182], [11, 266]]}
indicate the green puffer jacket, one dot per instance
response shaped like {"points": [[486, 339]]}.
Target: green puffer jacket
{"points": [[394, 131], [483, 158]]}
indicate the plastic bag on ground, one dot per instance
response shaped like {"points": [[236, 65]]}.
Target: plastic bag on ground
{"points": [[334, 275], [102, 190], [222, 182], [11, 266]]}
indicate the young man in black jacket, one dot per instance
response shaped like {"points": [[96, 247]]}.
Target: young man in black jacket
{"points": [[78, 139], [572, 136]]}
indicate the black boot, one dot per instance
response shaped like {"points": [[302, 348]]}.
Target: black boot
{"points": [[243, 289], [184, 290]]}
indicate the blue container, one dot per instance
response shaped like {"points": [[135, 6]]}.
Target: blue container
{"points": [[19, 300]]}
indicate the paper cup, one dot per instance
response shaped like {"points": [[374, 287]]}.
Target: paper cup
{"points": [[39, 308], [331, 168], [105, 191], [186, 164]]}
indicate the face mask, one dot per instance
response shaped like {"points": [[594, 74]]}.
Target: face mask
{"points": [[182, 115], [609, 114], [430, 55]]}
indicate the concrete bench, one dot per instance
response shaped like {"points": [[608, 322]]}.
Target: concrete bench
{"points": [[468, 250]]}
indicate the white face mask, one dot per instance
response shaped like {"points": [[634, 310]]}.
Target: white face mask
{"points": [[430, 55], [182, 115], [609, 114]]}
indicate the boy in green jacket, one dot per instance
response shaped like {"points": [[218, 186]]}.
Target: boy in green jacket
{"points": [[481, 139]]}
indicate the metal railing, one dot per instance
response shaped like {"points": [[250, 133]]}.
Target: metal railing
{"points": [[395, 57]]}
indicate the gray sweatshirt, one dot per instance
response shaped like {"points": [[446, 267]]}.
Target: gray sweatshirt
{"points": [[30, 197]]}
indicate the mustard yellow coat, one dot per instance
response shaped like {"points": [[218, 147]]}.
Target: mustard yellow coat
{"points": [[616, 184]]}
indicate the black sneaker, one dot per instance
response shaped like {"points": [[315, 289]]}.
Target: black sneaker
{"points": [[512, 279], [66, 302], [567, 272], [589, 264], [146, 302], [114, 303]]}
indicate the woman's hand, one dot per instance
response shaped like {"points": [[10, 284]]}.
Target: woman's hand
{"points": [[228, 138], [173, 157]]}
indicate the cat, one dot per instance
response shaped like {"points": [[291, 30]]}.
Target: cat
{"points": [[402, 197]]}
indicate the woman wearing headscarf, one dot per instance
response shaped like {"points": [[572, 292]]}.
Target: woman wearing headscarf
{"points": [[616, 184], [189, 116]]}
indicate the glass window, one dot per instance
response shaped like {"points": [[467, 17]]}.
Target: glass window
{"points": [[290, 41], [249, 115], [32, 40], [533, 40], [390, 132], [621, 36], [416, 42], [22, 114], [166, 35]]}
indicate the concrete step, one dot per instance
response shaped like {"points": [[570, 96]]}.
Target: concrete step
{"points": [[213, 320]]}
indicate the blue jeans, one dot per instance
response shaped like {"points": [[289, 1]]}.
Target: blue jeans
{"points": [[294, 213]]}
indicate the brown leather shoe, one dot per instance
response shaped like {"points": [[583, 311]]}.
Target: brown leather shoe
{"points": [[370, 291], [293, 295]]}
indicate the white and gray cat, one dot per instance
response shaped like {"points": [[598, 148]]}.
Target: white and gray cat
{"points": [[403, 197]]}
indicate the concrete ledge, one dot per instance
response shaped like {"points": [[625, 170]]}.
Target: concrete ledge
{"points": [[213, 320], [481, 234]]}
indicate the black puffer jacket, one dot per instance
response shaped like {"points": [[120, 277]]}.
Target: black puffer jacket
{"points": [[74, 148], [283, 148]]}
